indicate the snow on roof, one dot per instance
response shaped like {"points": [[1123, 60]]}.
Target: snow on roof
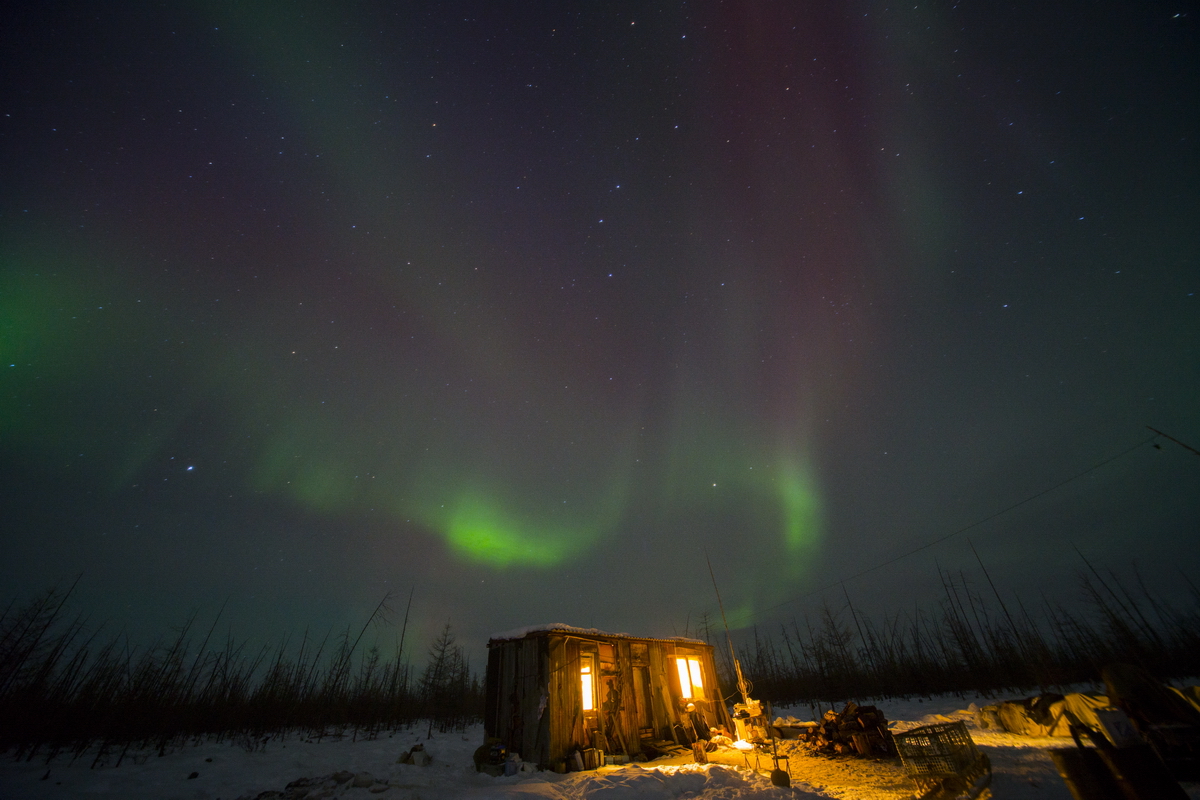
{"points": [[562, 627]]}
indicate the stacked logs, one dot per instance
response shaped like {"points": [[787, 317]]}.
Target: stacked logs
{"points": [[856, 730]]}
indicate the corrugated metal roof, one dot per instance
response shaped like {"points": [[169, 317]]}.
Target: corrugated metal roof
{"points": [[562, 627]]}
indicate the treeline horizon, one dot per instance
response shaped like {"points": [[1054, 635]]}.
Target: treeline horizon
{"points": [[62, 689], [973, 642]]}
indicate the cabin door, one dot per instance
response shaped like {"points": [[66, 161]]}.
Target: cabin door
{"points": [[641, 693]]}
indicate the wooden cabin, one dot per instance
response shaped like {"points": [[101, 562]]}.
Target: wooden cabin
{"points": [[553, 690]]}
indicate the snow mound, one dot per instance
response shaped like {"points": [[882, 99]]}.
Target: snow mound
{"points": [[708, 781]]}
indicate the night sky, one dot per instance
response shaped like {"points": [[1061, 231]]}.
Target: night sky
{"points": [[527, 306]]}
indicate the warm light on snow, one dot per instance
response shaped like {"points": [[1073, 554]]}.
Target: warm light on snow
{"points": [[742, 744], [1021, 769]]}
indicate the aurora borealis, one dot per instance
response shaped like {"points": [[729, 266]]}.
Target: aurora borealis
{"points": [[529, 306]]}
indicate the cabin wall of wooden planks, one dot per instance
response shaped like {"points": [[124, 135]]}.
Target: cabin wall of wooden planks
{"points": [[534, 693]]}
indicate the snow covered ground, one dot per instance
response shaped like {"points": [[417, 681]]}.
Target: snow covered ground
{"points": [[366, 769]]}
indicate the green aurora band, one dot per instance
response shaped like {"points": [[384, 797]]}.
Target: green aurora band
{"points": [[323, 457]]}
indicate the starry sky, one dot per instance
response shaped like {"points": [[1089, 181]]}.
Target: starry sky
{"points": [[528, 307]]}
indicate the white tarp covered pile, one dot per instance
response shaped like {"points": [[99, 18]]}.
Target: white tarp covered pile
{"points": [[1052, 714], [1044, 714]]}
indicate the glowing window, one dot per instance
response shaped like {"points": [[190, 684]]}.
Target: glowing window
{"points": [[588, 686], [690, 683], [685, 682], [694, 669]]}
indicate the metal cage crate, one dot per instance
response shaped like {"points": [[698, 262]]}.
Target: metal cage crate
{"points": [[942, 760]]}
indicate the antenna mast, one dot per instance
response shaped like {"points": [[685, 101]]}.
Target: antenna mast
{"points": [[737, 665]]}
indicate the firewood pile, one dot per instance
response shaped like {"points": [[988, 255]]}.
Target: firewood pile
{"points": [[856, 730]]}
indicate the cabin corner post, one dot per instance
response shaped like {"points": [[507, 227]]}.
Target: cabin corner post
{"points": [[492, 704]]}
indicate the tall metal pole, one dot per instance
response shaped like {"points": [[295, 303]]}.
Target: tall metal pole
{"points": [[737, 665]]}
